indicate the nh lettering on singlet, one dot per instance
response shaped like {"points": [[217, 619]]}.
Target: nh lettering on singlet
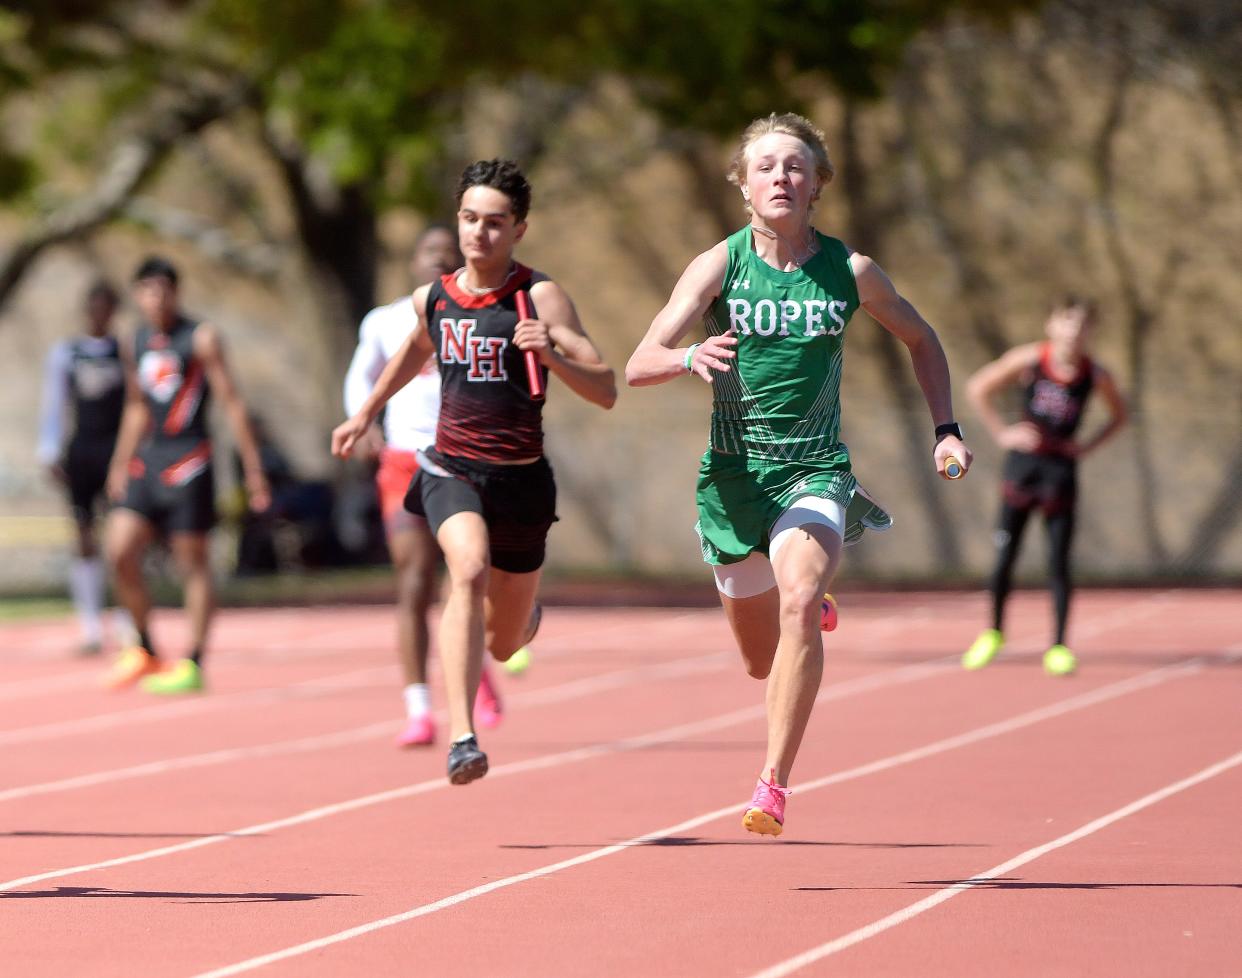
{"points": [[486, 411], [483, 356], [782, 399]]}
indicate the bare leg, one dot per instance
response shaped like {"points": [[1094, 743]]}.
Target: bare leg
{"points": [[463, 538], [756, 628], [414, 557], [190, 553], [1060, 538], [510, 607], [804, 567], [127, 537]]}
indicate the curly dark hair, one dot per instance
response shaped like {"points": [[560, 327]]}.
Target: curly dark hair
{"points": [[502, 175]]}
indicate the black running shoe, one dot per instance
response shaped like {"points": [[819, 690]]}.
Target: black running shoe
{"points": [[536, 619], [466, 762]]}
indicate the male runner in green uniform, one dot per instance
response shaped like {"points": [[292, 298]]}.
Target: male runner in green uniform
{"points": [[777, 497]]}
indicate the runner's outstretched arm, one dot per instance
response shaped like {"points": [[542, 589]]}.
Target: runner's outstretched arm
{"points": [[891, 310], [400, 370], [658, 358]]}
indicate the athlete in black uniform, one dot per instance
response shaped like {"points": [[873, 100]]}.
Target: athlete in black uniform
{"points": [[85, 378], [486, 489], [161, 475], [1041, 469]]}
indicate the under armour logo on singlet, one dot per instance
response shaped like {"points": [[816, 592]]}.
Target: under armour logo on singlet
{"points": [[740, 283]]}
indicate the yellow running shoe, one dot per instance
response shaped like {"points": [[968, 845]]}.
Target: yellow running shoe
{"points": [[183, 676], [519, 662], [984, 649], [1060, 661], [131, 665]]}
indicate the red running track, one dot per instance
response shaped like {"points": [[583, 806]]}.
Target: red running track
{"points": [[942, 823]]}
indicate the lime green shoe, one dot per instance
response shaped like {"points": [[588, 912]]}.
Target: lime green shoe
{"points": [[984, 649], [1059, 661], [519, 662], [183, 676]]}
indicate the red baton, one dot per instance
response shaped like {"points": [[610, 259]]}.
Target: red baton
{"points": [[534, 375]]}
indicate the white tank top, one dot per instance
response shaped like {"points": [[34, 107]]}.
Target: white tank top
{"points": [[411, 414]]}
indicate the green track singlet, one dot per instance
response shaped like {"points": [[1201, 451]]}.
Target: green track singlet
{"points": [[776, 416]]}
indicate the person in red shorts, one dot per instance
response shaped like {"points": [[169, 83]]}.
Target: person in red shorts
{"points": [[410, 426]]}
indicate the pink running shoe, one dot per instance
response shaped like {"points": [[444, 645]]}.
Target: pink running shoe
{"points": [[828, 614], [766, 814], [487, 708], [417, 732]]}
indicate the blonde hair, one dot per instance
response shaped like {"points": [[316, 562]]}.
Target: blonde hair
{"points": [[788, 124]]}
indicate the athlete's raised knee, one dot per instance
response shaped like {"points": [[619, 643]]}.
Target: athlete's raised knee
{"points": [[758, 670]]}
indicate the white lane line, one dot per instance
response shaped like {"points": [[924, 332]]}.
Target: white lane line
{"points": [[27, 688], [834, 692], [1149, 604], [868, 931], [572, 689], [111, 720], [173, 630], [1103, 694], [565, 641], [319, 686]]}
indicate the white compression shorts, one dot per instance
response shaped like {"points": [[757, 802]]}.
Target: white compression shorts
{"points": [[753, 575]]}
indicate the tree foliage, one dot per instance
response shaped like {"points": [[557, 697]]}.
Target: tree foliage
{"points": [[368, 87]]}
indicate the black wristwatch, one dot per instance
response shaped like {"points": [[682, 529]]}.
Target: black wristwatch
{"points": [[952, 428]]}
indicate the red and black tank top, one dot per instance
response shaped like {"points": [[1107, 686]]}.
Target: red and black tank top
{"points": [[1055, 404], [172, 381], [486, 411]]}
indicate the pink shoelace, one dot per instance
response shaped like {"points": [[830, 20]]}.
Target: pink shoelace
{"points": [[770, 796]]}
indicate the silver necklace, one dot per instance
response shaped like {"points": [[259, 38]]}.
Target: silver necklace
{"points": [[485, 289], [810, 246]]}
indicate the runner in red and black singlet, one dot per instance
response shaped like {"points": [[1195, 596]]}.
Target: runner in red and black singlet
{"points": [[1041, 467], [1054, 402], [170, 476], [85, 380], [486, 489], [486, 411], [161, 474], [490, 431], [410, 420]]}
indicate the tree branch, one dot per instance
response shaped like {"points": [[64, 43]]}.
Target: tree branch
{"points": [[258, 259], [1140, 312], [128, 166]]}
